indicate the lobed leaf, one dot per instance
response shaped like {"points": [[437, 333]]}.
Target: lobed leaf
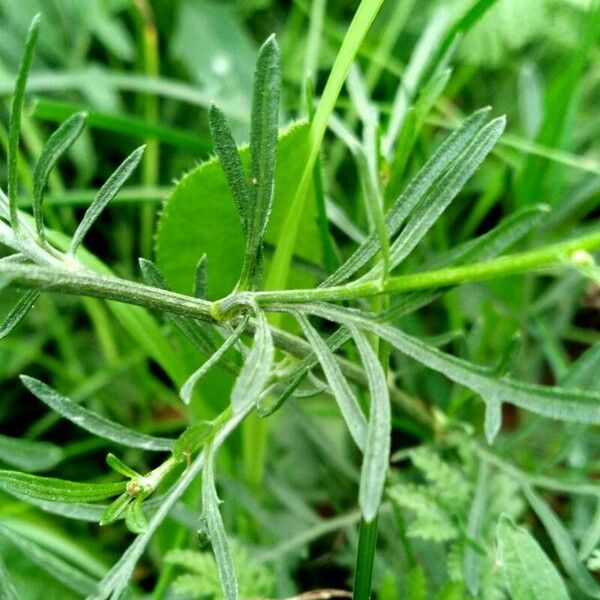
{"points": [[21, 308], [92, 422], [257, 367], [216, 529], [106, 193], [29, 455], [379, 431], [56, 490], [58, 143], [14, 126], [345, 398], [529, 573]]}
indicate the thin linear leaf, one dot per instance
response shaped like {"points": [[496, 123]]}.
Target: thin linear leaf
{"points": [[29, 455], [263, 145], [197, 333], [442, 160], [443, 192], [56, 490], [229, 157], [58, 143], [61, 570], [106, 193], [188, 387], [216, 530], [257, 367], [201, 278], [135, 519], [563, 546], [115, 510], [377, 447], [92, 422], [345, 398], [14, 127], [529, 573], [21, 308], [7, 589], [117, 465], [552, 402]]}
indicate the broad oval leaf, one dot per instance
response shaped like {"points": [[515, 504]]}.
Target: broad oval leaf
{"points": [[529, 573]]}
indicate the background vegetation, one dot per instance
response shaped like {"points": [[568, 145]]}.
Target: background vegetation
{"points": [[460, 517]]}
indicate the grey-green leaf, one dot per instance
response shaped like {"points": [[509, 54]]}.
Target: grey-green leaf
{"points": [[92, 422], [29, 455], [563, 545], [14, 127], [56, 490], [58, 143], [188, 387], [106, 193], [377, 447], [255, 373], [345, 398], [263, 145], [229, 157], [216, 530], [19, 311], [529, 573]]}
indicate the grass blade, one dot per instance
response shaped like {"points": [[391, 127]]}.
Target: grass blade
{"points": [[92, 422], [226, 149], [19, 311], [14, 127], [440, 162], [257, 367], [56, 490], [106, 193], [529, 573], [345, 398], [263, 146], [61, 570], [188, 387], [216, 530], [29, 455], [58, 143], [563, 545], [377, 447]]}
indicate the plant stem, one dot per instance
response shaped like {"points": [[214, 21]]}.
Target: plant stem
{"points": [[363, 574]]}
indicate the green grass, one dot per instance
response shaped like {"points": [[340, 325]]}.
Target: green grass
{"points": [[354, 353]]}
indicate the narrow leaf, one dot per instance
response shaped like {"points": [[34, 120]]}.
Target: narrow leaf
{"points": [[446, 155], [263, 145], [58, 143], [20, 309], [29, 455], [201, 278], [7, 589], [62, 571], [257, 368], [216, 530], [229, 157], [117, 465], [197, 333], [56, 490], [377, 447], [529, 573], [116, 509], [14, 127], [347, 402], [563, 546], [493, 419], [92, 422], [106, 193], [135, 519], [188, 387]]}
